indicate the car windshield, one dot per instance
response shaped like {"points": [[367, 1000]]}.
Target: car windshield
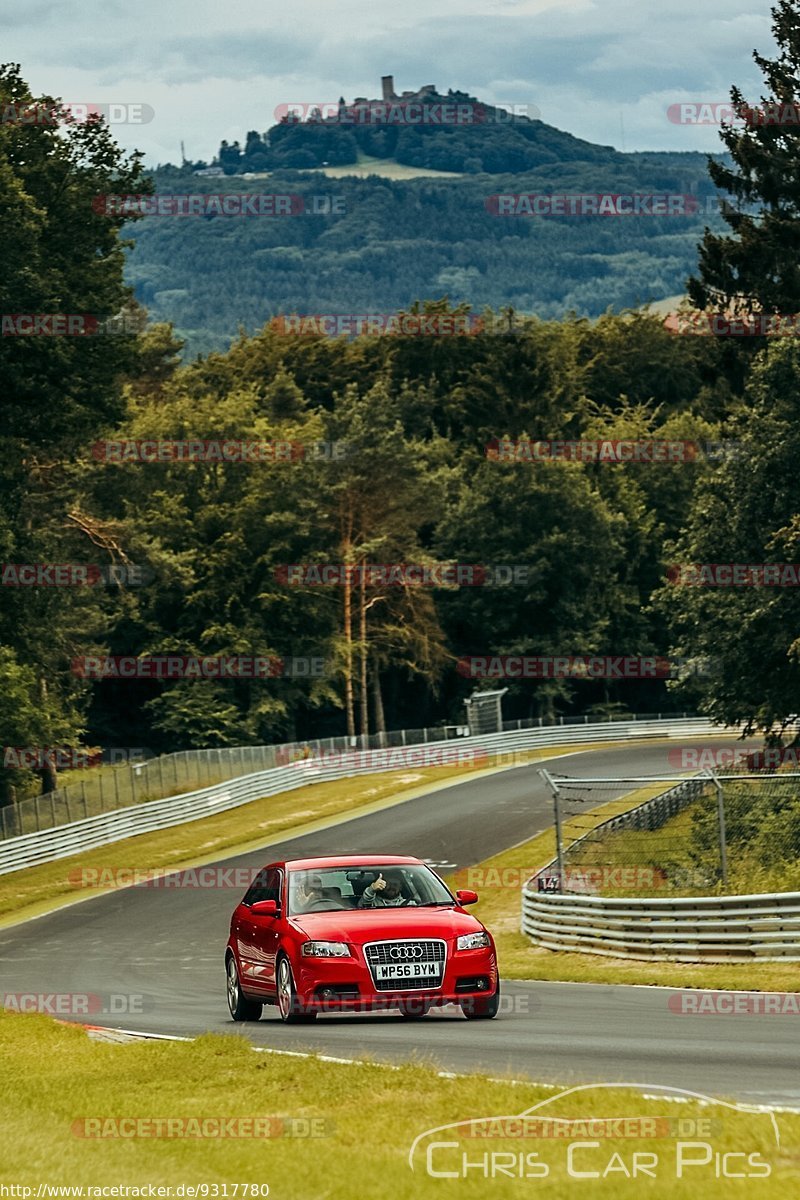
{"points": [[343, 888]]}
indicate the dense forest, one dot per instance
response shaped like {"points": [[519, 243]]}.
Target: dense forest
{"points": [[379, 450], [396, 242]]}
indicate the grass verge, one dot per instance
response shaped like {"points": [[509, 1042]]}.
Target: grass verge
{"points": [[499, 881], [366, 1118]]}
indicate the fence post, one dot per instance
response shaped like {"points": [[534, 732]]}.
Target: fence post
{"points": [[161, 774], [83, 798], [723, 847], [547, 777]]}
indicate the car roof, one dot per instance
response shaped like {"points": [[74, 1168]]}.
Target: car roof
{"points": [[347, 860]]}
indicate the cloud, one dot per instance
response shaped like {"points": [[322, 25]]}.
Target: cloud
{"points": [[592, 67]]}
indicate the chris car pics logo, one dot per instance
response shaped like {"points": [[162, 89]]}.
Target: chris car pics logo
{"points": [[584, 1134]]}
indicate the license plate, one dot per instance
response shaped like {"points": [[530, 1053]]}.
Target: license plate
{"points": [[427, 970]]}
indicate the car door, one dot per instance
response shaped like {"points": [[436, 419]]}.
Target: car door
{"points": [[257, 936]]}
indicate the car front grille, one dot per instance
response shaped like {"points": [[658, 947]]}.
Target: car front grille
{"points": [[401, 954]]}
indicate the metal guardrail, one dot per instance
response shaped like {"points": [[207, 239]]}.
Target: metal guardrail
{"points": [[143, 776], [49, 844], [697, 929], [715, 929]]}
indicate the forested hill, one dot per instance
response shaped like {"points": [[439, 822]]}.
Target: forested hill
{"points": [[379, 241], [453, 132]]}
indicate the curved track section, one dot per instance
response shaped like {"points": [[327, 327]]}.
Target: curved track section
{"points": [[162, 949]]}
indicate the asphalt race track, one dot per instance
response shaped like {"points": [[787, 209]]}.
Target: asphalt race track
{"points": [[166, 947]]}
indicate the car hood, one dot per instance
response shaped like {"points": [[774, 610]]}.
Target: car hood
{"points": [[369, 925]]}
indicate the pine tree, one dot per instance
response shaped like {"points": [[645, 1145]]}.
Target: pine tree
{"points": [[757, 265]]}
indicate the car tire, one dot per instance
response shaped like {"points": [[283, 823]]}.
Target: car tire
{"points": [[414, 1010], [480, 1008], [291, 1012], [241, 1009]]}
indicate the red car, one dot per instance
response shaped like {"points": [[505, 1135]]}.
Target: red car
{"points": [[357, 933]]}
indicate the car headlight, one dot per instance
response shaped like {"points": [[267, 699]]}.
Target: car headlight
{"points": [[325, 950], [473, 941]]}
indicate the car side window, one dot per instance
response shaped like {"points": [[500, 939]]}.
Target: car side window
{"points": [[265, 886]]}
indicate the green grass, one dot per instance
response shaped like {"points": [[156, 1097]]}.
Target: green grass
{"points": [[385, 169], [55, 1078]]}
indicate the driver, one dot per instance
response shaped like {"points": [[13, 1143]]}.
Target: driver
{"points": [[309, 890], [384, 893]]}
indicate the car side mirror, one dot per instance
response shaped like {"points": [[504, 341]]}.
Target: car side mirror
{"points": [[466, 897], [264, 908]]}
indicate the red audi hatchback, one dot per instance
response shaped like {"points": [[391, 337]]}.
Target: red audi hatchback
{"points": [[357, 933]]}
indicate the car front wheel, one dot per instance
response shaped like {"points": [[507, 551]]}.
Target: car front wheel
{"points": [[482, 1008], [412, 1010], [241, 1009], [292, 1013]]}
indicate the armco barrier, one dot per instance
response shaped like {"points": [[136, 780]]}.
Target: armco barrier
{"points": [[49, 844], [697, 929], [693, 929]]}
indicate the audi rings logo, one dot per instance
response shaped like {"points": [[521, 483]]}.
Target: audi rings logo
{"points": [[406, 952]]}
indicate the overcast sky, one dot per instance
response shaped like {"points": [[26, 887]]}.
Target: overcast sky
{"points": [[605, 70]]}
